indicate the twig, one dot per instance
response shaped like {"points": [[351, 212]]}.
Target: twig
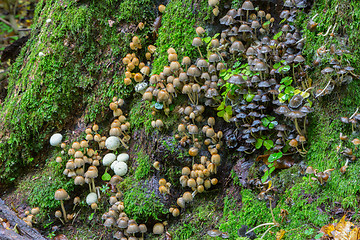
{"points": [[6, 22], [323, 89], [266, 232], [354, 113], [261, 225]]}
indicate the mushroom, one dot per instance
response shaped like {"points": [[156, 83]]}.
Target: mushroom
{"points": [[61, 195], [55, 139], [158, 228]]}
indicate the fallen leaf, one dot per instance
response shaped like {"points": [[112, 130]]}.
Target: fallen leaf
{"points": [[280, 234]]}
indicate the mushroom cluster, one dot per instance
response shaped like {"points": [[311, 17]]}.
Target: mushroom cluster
{"points": [[117, 220]]}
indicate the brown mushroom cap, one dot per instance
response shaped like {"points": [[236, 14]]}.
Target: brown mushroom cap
{"points": [[61, 194], [158, 228]]}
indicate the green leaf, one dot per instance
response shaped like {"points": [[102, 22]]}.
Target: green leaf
{"points": [[273, 124], [207, 39], [267, 23], [281, 87], [265, 177], [268, 144], [226, 116], [286, 80], [106, 177], [277, 65], [91, 216], [265, 122], [285, 68], [278, 35], [222, 72], [221, 114], [259, 143], [275, 156], [289, 90], [249, 97], [228, 110], [222, 106]]}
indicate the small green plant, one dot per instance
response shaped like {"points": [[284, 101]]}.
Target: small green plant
{"points": [[264, 141], [269, 122], [224, 111], [272, 158]]}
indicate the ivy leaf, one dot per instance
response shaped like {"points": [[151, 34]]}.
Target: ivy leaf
{"points": [[106, 177], [268, 144], [285, 68], [259, 143], [281, 87]]}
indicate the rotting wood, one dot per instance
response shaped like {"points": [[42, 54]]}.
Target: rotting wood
{"points": [[25, 232]]}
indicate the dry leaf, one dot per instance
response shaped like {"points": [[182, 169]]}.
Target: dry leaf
{"points": [[280, 234], [342, 230]]}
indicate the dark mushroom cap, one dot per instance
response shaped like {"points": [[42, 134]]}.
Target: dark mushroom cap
{"points": [[282, 110], [211, 92], [236, 79], [202, 63], [306, 109], [296, 101], [244, 28], [197, 42], [260, 67], [264, 84], [237, 46], [327, 70], [193, 71], [227, 20], [285, 14], [233, 32], [299, 59], [214, 58], [247, 6], [295, 114]]}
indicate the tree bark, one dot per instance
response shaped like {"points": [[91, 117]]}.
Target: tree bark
{"points": [[25, 232]]}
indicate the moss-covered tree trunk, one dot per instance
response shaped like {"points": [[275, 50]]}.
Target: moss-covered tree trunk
{"points": [[71, 67]]}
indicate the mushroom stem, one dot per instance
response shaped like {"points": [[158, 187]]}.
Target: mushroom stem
{"points": [[63, 209], [297, 127], [194, 193], [93, 185], [124, 144], [90, 186], [200, 52]]}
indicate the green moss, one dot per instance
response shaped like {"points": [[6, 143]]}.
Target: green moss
{"points": [[196, 220], [143, 169], [251, 213], [178, 30], [40, 188], [142, 204], [140, 116], [346, 16], [78, 73]]}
